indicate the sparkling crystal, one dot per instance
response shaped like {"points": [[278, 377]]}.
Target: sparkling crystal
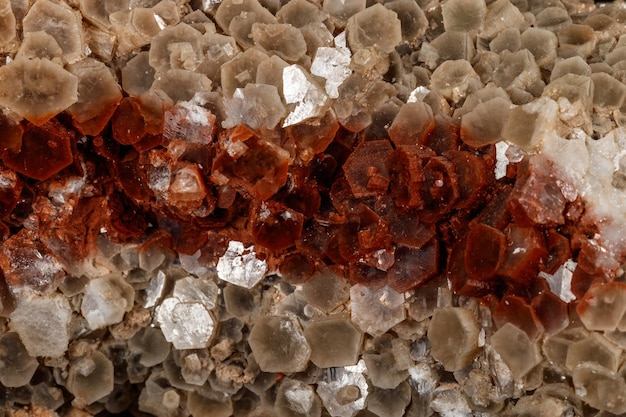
{"points": [[376, 310], [300, 89], [187, 325], [106, 300], [240, 266]]}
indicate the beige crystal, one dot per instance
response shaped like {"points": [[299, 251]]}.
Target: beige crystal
{"points": [[595, 349], [278, 344], [516, 350], [37, 89], [59, 21], [374, 26], [453, 334], [334, 342]]}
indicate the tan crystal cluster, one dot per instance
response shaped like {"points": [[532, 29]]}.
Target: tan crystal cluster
{"points": [[312, 208]]}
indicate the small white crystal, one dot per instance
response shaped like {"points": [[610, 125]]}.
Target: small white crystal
{"points": [[501, 160], [376, 311], [336, 380], [334, 65], [419, 94], [561, 281], [300, 89], [255, 105], [189, 290], [43, 325], [240, 266], [185, 325], [106, 300]]}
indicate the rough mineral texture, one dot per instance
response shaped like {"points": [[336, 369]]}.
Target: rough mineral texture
{"points": [[345, 208]]}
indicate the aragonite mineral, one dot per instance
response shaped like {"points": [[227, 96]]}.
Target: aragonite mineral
{"points": [[307, 208]]}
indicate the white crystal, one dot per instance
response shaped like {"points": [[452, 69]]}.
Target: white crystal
{"points": [[335, 380], [501, 160], [255, 105], [561, 281], [300, 89], [154, 292], [240, 266], [376, 311], [190, 290], [106, 300], [185, 325], [419, 94], [334, 65], [43, 325], [191, 264]]}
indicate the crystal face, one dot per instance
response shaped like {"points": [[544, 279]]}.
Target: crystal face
{"points": [[312, 208]]}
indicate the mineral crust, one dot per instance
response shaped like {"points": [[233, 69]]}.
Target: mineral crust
{"points": [[312, 208]]}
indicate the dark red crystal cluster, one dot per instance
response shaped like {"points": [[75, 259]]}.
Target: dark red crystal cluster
{"points": [[413, 205]]}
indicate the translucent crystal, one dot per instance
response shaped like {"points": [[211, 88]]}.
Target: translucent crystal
{"points": [[334, 342], [464, 16], [389, 402], [299, 13], [376, 310], [151, 346], [507, 40], [603, 306], [98, 95], [181, 84], [279, 345], [43, 325], [98, 12], [90, 378], [600, 388], [40, 45], [413, 21], [609, 93], [449, 401], [374, 26], [531, 123], [7, 19], [200, 406], [185, 325], [383, 370], [17, 367], [283, 40], [300, 89], [37, 89], [325, 290], [517, 70], [341, 10], [191, 290], [60, 21], [297, 399], [501, 15], [455, 79], [344, 390], [334, 65], [542, 44], [176, 47], [106, 300], [241, 70], [596, 349], [453, 334], [240, 266], [483, 125], [255, 105], [516, 349]]}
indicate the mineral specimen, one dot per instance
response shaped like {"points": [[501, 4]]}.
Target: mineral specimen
{"points": [[312, 208]]}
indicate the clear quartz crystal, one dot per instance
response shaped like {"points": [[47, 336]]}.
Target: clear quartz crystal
{"points": [[240, 266]]}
